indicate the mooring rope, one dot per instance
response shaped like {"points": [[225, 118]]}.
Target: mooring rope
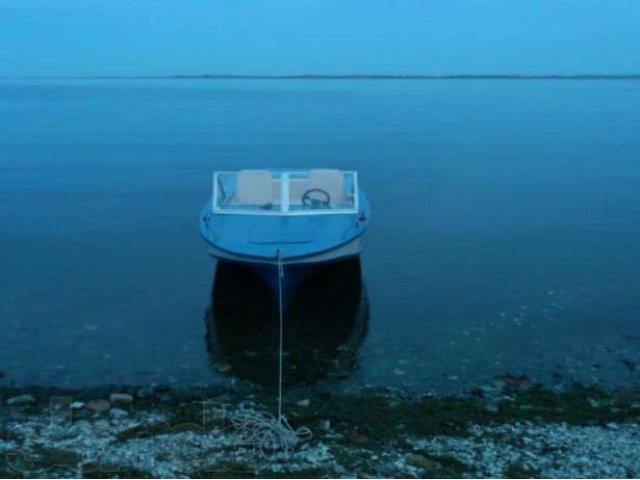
{"points": [[280, 327], [261, 429]]}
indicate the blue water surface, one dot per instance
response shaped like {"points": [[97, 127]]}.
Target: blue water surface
{"points": [[505, 235]]}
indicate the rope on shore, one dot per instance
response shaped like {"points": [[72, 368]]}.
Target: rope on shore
{"points": [[264, 431], [267, 433]]}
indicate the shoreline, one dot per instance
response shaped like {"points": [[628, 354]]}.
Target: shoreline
{"points": [[498, 76], [508, 428]]}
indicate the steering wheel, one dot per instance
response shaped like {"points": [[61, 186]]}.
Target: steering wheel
{"points": [[308, 200]]}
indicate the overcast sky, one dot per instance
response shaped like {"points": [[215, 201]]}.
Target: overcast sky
{"points": [[142, 37]]}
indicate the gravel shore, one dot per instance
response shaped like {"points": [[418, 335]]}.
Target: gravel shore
{"points": [[501, 430]]}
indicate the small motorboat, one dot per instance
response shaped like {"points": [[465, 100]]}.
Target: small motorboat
{"points": [[299, 220]]}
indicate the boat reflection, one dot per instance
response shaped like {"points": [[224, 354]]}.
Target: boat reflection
{"points": [[324, 324]]}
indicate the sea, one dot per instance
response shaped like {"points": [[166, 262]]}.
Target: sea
{"points": [[504, 239]]}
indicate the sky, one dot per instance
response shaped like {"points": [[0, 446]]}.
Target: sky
{"points": [[164, 37]]}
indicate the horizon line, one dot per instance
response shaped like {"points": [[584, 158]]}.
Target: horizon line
{"points": [[313, 76]]}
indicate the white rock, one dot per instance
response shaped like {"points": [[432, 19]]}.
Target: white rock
{"points": [[118, 413], [21, 399]]}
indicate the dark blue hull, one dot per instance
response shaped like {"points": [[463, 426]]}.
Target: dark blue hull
{"points": [[294, 276]]}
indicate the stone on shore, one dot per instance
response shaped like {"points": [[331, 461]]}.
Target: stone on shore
{"points": [[21, 400], [325, 425], [224, 368], [423, 462], [118, 414], [121, 398], [145, 392], [98, 406], [358, 439]]}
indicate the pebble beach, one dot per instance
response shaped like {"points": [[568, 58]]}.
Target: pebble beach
{"points": [[508, 428]]}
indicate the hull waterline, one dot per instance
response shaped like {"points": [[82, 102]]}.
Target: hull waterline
{"points": [[295, 272]]}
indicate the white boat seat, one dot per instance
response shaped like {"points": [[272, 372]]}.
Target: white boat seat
{"points": [[253, 187], [331, 181]]}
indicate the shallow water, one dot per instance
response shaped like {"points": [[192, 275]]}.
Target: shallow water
{"points": [[505, 236]]}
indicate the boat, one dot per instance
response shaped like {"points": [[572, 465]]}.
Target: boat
{"points": [[297, 220]]}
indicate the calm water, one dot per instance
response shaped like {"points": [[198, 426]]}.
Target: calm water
{"points": [[505, 237]]}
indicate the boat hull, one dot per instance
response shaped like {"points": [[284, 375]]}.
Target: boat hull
{"points": [[295, 271]]}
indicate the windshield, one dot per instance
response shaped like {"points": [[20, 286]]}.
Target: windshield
{"points": [[262, 192]]}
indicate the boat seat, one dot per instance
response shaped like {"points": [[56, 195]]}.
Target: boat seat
{"points": [[254, 187], [331, 181]]}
